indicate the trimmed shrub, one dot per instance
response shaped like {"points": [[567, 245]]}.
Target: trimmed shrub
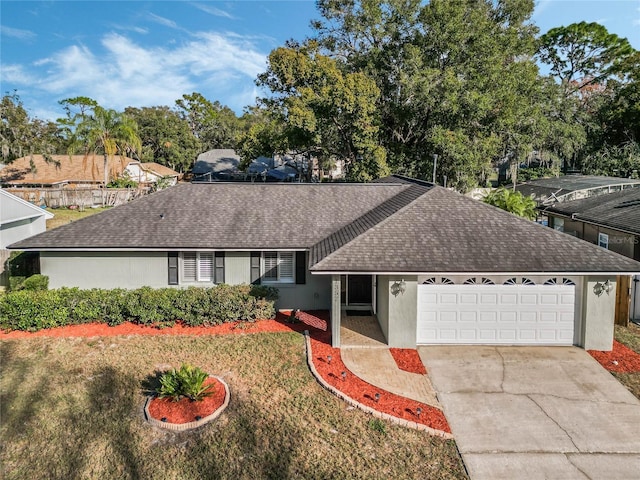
{"points": [[265, 292], [32, 310], [36, 282]]}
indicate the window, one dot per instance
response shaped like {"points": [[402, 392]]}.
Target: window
{"points": [[476, 281], [197, 266], [558, 224], [603, 240], [278, 267], [519, 281]]}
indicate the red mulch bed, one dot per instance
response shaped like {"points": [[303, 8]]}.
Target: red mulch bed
{"points": [[185, 410], [620, 360], [408, 360], [103, 330], [364, 392], [315, 322]]}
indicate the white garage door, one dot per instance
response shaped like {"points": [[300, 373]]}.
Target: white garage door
{"points": [[496, 314]]}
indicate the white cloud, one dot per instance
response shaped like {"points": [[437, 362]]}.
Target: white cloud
{"points": [[15, 74], [125, 73], [164, 21], [17, 33], [213, 10]]}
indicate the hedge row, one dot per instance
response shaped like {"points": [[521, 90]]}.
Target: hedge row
{"points": [[35, 310]]}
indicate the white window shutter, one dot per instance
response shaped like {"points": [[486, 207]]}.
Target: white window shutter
{"points": [[189, 266], [286, 266], [205, 267], [271, 266]]}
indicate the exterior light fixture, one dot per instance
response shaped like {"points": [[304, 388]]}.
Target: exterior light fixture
{"points": [[377, 397], [600, 288], [329, 359], [418, 412], [398, 287], [344, 375]]}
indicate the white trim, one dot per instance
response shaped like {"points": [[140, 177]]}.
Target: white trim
{"points": [[40, 211], [531, 272]]}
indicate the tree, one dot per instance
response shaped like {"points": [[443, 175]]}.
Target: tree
{"points": [[327, 112], [582, 54], [21, 135], [166, 137], [213, 124], [456, 78], [513, 202], [107, 132]]}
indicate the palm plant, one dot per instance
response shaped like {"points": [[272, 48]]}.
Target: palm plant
{"points": [[107, 132], [513, 202]]}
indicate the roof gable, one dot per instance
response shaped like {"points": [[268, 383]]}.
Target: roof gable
{"points": [[13, 209], [443, 231]]}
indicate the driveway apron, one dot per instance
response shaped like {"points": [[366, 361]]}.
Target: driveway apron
{"points": [[536, 412]]}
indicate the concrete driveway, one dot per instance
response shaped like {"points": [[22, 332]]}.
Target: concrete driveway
{"points": [[536, 412]]}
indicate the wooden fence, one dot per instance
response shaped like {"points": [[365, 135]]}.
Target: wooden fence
{"points": [[80, 197]]}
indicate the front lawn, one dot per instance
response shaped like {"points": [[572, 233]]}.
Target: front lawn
{"points": [[62, 216], [629, 336], [72, 408]]}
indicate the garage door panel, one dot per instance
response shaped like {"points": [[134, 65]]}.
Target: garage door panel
{"points": [[496, 314]]}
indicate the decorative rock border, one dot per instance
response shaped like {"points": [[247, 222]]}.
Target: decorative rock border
{"points": [[180, 427], [365, 408]]}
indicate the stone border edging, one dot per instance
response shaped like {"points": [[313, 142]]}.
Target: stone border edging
{"points": [[179, 427], [365, 408]]}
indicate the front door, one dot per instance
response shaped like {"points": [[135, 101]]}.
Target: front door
{"points": [[359, 289]]}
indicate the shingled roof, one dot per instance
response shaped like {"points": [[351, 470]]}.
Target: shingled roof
{"points": [[398, 226], [619, 210], [60, 169]]}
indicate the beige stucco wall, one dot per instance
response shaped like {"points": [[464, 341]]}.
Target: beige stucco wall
{"points": [[598, 314]]}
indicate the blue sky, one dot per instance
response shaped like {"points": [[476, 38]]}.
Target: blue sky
{"points": [[146, 53]]}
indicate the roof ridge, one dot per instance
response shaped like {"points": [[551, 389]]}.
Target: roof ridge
{"points": [[366, 222]]}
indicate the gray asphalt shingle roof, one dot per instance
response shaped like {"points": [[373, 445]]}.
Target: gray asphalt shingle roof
{"points": [[400, 226], [618, 210], [442, 231]]}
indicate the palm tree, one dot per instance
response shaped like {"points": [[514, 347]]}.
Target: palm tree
{"points": [[108, 132], [512, 201]]}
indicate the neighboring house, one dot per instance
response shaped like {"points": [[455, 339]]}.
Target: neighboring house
{"points": [[224, 164], [547, 191], [18, 220], [61, 171], [611, 221], [150, 173], [432, 265]]}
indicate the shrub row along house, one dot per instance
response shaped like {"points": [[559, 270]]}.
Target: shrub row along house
{"points": [[432, 265]]}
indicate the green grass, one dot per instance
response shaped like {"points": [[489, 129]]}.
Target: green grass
{"points": [[72, 408], [62, 216], [629, 336]]}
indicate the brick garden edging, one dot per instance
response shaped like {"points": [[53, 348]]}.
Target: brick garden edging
{"points": [[180, 427], [365, 408]]}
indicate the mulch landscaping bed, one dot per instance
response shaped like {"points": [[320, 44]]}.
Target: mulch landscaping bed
{"points": [[619, 360], [408, 360], [364, 392], [185, 410], [315, 322]]}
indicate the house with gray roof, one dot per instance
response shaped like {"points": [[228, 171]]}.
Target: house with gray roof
{"points": [[547, 191], [431, 265]]}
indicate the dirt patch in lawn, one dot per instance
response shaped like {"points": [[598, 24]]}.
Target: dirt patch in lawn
{"points": [[408, 360], [619, 360]]}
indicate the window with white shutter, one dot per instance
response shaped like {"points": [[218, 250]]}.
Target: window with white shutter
{"points": [[189, 263], [197, 266], [278, 267]]}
